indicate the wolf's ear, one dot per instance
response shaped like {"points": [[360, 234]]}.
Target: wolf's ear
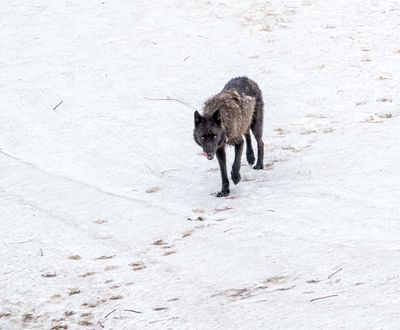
{"points": [[197, 118], [217, 117]]}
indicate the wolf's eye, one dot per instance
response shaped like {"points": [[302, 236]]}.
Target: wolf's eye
{"points": [[214, 137], [202, 138]]}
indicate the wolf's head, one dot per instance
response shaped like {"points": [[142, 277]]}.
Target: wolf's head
{"points": [[208, 133]]}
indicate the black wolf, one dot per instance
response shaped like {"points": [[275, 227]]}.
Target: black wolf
{"points": [[227, 117]]}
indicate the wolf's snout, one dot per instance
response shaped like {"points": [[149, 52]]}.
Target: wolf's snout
{"points": [[209, 155]]}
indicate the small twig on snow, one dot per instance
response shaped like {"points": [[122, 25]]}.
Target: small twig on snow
{"points": [[105, 317], [172, 170], [41, 252], [24, 242], [109, 314], [314, 299], [58, 105], [169, 99], [132, 310], [186, 58], [329, 277]]}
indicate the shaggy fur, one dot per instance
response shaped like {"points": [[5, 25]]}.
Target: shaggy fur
{"points": [[236, 113], [227, 117]]}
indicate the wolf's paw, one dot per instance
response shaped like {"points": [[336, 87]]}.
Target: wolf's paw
{"points": [[235, 177], [258, 167], [223, 193], [250, 158]]}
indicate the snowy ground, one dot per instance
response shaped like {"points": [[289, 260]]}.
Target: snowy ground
{"points": [[100, 198]]}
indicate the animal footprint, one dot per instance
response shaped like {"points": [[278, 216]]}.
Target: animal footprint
{"points": [[159, 242], [59, 327], [187, 233], [280, 131], [233, 197], [250, 291], [384, 99], [385, 115], [313, 131], [29, 317], [268, 166], [164, 245], [94, 304], [4, 314], [74, 291], [104, 257], [85, 323], [153, 190], [100, 221], [87, 274], [371, 120], [384, 77], [139, 265], [292, 149], [313, 281], [75, 257], [364, 102]]}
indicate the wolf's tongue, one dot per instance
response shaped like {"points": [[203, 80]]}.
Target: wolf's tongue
{"points": [[205, 154]]}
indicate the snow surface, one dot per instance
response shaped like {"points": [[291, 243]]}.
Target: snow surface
{"points": [[101, 198]]}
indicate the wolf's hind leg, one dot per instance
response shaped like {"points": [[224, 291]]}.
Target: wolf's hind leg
{"points": [[257, 129], [249, 149], [221, 156], [235, 174]]}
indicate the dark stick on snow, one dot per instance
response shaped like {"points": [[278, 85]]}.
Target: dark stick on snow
{"points": [[109, 314], [169, 99], [24, 242], [329, 277], [132, 310], [41, 252], [172, 170], [58, 105], [186, 58], [314, 299], [105, 317]]}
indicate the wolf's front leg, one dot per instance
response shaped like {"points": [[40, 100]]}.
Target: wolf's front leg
{"points": [[249, 149], [235, 174], [221, 156]]}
